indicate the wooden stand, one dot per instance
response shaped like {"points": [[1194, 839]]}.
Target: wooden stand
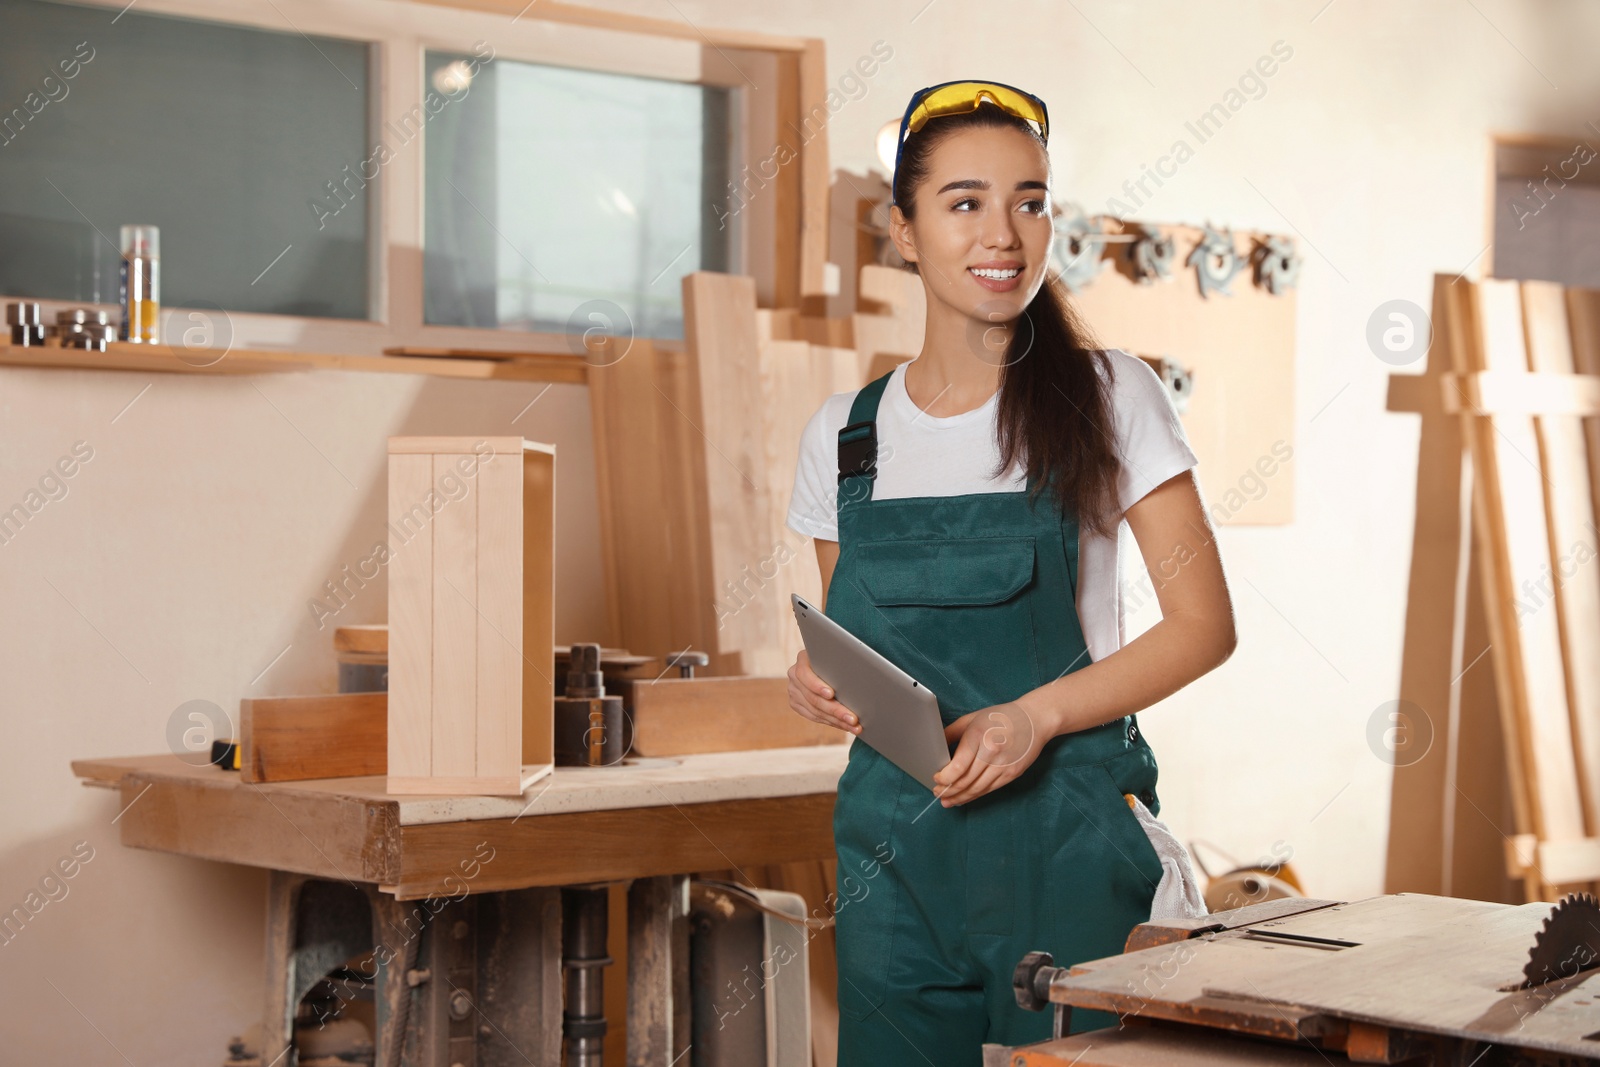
{"points": [[1497, 771], [471, 614]]}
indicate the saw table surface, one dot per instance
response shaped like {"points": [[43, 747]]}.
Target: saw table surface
{"points": [[1391, 973], [578, 824]]}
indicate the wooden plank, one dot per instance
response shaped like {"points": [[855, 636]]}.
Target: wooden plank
{"points": [[730, 455], [604, 846], [1574, 865], [291, 738], [687, 550], [536, 649], [812, 126], [221, 818], [894, 318], [793, 374], [498, 565], [410, 616], [1512, 392], [678, 716], [1165, 931], [782, 200], [1519, 479], [101, 773], [1420, 788], [162, 360], [637, 499], [372, 639], [1512, 534], [1416, 393], [796, 378], [621, 22], [455, 633], [1583, 319], [1480, 809], [1573, 566]]}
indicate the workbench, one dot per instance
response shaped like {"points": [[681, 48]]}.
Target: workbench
{"points": [[333, 843]]}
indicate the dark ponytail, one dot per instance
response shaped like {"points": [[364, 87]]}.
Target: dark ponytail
{"points": [[1054, 407]]}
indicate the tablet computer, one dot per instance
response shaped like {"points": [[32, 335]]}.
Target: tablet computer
{"points": [[899, 715]]}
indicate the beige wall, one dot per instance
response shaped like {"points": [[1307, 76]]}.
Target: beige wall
{"points": [[181, 561]]}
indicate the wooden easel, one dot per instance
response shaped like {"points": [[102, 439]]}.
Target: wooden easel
{"points": [[1496, 789]]}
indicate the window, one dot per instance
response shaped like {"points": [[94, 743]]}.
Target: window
{"points": [[1547, 211], [559, 199], [225, 137]]}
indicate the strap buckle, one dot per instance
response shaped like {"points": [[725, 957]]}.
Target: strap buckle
{"points": [[858, 450]]}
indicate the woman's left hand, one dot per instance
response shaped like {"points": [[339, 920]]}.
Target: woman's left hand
{"points": [[996, 744]]}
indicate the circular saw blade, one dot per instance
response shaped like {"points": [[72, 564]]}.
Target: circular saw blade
{"points": [[1568, 942]]}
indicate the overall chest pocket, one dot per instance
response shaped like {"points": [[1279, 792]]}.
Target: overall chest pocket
{"points": [[956, 614]]}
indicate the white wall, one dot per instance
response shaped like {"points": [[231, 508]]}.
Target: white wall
{"points": [[181, 561]]}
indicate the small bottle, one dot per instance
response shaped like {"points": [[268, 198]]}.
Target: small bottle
{"points": [[141, 284]]}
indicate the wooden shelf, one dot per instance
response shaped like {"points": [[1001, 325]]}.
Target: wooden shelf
{"points": [[162, 359]]}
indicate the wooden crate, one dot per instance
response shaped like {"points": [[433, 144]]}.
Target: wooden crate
{"points": [[471, 614]]}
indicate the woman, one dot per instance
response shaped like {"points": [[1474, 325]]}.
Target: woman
{"points": [[977, 550]]}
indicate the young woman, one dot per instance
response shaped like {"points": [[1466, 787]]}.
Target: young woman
{"points": [[978, 551]]}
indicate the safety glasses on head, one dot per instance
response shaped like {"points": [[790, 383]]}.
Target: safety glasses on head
{"points": [[960, 97]]}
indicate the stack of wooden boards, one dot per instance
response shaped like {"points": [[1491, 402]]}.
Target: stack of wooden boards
{"points": [[696, 453], [345, 735], [1500, 685]]}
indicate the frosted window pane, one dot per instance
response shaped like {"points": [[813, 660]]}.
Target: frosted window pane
{"points": [[1552, 234], [223, 136], [548, 188]]}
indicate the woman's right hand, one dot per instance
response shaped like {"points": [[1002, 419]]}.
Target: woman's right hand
{"points": [[812, 698]]}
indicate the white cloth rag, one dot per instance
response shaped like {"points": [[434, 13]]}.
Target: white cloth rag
{"points": [[1178, 894]]}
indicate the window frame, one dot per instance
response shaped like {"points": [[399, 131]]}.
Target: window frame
{"points": [[400, 33]]}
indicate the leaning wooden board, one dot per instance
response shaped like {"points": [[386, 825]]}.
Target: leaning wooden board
{"points": [[1569, 502], [1512, 535]]}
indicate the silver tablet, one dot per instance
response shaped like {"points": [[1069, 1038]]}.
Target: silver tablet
{"points": [[899, 715]]}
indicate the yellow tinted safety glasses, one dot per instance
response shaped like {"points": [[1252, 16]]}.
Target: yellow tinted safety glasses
{"points": [[960, 97]]}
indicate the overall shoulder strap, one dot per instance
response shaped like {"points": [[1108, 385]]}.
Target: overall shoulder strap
{"points": [[865, 407], [858, 444]]}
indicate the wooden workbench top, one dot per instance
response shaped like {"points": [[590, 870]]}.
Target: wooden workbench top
{"points": [[578, 824], [774, 772]]}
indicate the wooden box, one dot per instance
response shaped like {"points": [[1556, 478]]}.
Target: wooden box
{"points": [[471, 614]]}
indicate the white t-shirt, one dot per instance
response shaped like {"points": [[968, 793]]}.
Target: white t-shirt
{"points": [[920, 455]]}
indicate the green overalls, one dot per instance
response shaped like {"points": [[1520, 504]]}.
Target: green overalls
{"points": [[974, 596]]}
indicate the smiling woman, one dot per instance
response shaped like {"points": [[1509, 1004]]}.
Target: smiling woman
{"points": [[982, 560], [1068, 443]]}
